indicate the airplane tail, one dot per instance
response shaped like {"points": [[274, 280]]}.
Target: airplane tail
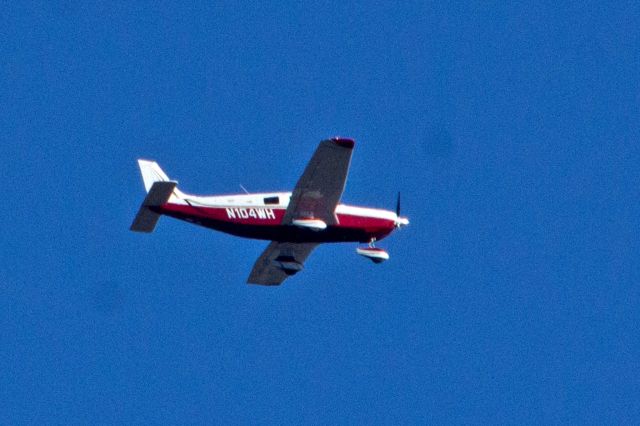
{"points": [[160, 189]]}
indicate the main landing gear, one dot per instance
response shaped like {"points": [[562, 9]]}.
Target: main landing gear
{"points": [[377, 255]]}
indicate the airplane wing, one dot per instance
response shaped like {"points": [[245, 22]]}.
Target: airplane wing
{"points": [[279, 261], [318, 191]]}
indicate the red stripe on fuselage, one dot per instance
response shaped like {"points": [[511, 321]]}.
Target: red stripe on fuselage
{"points": [[266, 223]]}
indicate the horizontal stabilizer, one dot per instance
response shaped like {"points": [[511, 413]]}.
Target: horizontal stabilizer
{"points": [[159, 194]]}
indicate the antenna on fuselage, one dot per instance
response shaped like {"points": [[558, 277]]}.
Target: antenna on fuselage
{"points": [[244, 189]]}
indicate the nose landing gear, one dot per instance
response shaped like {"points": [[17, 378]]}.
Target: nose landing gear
{"points": [[375, 254]]}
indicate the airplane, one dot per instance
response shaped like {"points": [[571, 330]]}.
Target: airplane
{"points": [[295, 222]]}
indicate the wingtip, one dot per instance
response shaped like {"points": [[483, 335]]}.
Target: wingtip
{"points": [[345, 142]]}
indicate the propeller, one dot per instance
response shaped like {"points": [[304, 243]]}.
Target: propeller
{"points": [[400, 221]]}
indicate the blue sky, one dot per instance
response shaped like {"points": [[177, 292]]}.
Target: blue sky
{"points": [[511, 130]]}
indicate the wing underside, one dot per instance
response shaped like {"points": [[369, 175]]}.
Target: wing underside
{"points": [[315, 196], [279, 261], [320, 187]]}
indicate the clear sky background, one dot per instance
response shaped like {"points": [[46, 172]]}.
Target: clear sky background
{"points": [[511, 130]]}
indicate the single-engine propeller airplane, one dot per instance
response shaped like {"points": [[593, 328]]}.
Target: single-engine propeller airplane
{"points": [[295, 223]]}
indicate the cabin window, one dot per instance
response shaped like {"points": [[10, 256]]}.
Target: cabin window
{"points": [[272, 200]]}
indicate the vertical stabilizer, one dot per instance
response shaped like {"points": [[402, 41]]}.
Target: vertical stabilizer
{"points": [[151, 173]]}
